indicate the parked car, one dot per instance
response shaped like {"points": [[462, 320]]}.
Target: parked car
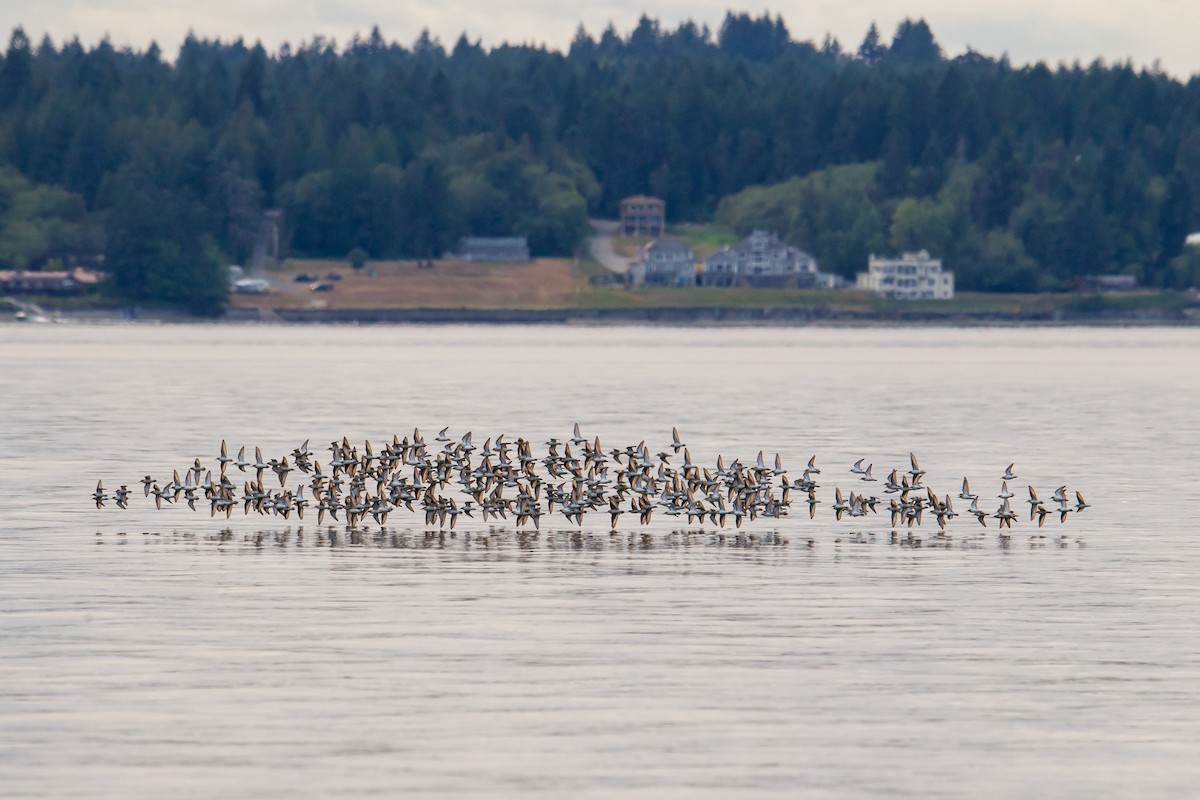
{"points": [[251, 286], [333, 276], [304, 277], [321, 287]]}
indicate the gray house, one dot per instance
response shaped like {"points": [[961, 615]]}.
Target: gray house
{"points": [[760, 259], [664, 262], [499, 249]]}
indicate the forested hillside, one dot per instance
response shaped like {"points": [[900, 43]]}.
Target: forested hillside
{"points": [[1020, 177]]}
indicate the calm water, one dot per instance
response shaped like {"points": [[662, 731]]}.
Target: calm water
{"points": [[148, 654]]}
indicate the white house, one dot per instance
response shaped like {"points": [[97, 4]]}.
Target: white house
{"points": [[761, 258], [665, 262], [912, 276]]}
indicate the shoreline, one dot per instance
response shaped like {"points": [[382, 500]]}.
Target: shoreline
{"points": [[650, 317], [712, 317]]}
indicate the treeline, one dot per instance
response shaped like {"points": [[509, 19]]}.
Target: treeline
{"points": [[1019, 177]]}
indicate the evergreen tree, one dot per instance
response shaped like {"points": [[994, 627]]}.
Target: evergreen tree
{"points": [[872, 50], [759, 39], [645, 40], [913, 45], [158, 252], [583, 46], [1051, 172], [16, 76]]}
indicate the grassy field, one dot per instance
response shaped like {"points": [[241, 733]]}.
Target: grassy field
{"points": [[826, 299], [703, 239], [705, 297], [539, 284]]}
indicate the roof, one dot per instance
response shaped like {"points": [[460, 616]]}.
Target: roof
{"points": [[666, 244], [493, 248], [642, 198], [919, 257], [78, 275], [494, 241], [770, 244]]}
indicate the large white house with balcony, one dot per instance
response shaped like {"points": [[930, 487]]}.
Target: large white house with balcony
{"points": [[912, 276]]}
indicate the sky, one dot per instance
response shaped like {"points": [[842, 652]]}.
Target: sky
{"points": [[1149, 32]]}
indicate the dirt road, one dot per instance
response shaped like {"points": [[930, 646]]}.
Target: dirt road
{"points": [[601, 246]]}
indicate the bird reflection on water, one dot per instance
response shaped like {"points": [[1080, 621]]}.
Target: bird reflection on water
{"points": [[499, 538]]}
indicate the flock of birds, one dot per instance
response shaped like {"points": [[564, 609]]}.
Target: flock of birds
{"points": [[503, 479]]}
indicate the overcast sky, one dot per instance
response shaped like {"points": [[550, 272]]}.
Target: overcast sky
{"points": [[1167, 31]]}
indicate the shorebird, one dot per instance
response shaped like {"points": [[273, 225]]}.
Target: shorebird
{"points": [[1009, 474], [259, 465], [223, 458], [966, 494], [1034, 502], [915, 471], [840, 505], [99, 496], [577, 437], [301, 457], [1005, 515], [614, 510], [281, 469]]}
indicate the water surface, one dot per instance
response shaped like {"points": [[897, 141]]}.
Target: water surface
{"points": [[147, 653]]}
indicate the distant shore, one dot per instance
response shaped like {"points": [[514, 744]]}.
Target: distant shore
{"points": [[665, 316], [562, 292], [707, 317]]}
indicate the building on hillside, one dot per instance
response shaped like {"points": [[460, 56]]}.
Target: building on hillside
{"points": [[911, 276], [761, 259], [643, 216], [495, 249], [76, 281], [664, 262]]}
